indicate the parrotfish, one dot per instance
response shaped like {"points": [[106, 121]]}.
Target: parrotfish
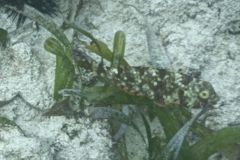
{"points": [[164, 87]]}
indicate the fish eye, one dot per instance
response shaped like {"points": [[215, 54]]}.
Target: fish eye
{"points": [[204, 94]]}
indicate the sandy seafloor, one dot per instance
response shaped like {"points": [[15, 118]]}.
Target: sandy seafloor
{"points": [[204, 35]]}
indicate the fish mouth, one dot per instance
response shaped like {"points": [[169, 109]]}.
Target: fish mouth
{"points": [[215, 101]]}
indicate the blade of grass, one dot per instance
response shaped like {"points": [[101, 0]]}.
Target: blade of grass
{"points": [[118, 49]]}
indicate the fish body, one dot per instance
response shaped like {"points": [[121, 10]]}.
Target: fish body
{"points": [[164, 87]]}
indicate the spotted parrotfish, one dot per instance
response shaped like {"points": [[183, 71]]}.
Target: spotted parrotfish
{"points": [[162, 86]]}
